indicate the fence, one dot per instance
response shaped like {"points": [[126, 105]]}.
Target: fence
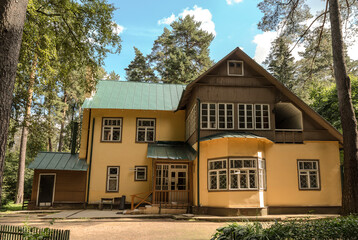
{"points": [[24, 232]]}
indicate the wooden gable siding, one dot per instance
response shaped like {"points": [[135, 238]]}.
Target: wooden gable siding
{"points": [[218, 87]]}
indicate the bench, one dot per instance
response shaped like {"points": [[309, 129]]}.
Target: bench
{"points": [[108, 201]]}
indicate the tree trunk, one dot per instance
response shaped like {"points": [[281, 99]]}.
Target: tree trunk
{"points": [[12, 18], [60, 141], [24, 134], [349, 123]]}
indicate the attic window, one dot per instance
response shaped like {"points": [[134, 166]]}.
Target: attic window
{"points": [[288, 117], [235, 68]]}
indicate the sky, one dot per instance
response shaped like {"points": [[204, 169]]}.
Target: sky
{"points": [[233, 22]]}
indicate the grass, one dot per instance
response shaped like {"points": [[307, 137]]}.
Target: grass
{"points": [[11, 206]]}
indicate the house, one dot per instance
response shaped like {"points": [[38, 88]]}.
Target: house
{"points": [[234, 141]]}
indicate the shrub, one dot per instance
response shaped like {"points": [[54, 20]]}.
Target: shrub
{"points": [[335, 228]]}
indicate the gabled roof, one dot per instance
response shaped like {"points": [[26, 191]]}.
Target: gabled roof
{"points": [[58, 161], [257, 67], [135, 95], [171, 150]]}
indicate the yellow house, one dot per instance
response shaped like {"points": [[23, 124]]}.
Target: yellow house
{"points": [[234, 141]]}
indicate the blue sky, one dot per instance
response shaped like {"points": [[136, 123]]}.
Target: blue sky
{"points": [[234, 23]]}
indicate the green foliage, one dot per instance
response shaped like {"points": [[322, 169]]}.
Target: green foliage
{"points": [[139, 69], [335, 228], [11, 206], [181, 54], [113, 76]]}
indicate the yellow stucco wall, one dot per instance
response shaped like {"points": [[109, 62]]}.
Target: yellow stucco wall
{"points": [[170, 126], [282, 175]]}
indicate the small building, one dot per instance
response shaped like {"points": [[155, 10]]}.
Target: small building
{"points": [[234, 141]]}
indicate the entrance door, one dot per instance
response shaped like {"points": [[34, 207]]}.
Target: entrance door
{"points": [[46, 189], [178, 180]]}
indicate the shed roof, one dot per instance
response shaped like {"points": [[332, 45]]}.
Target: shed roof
{"points": [[232, 134], [171, 150], [135, 95], [58, 161]]}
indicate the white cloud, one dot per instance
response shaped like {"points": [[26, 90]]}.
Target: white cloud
{"points": [[263, 42], [230, 2], [200, 15], [353, 51], [168, 20], [117, 29]]}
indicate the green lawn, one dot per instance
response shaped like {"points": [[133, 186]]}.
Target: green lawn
{"points": [[11, 206]]}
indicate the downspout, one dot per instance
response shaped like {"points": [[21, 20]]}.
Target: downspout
{"points": [[198, 153], [90, 163], [88, 131]]}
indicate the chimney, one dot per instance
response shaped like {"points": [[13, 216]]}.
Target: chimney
{"points": [[74, 137]]}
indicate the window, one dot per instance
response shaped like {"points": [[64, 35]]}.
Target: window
{"points": [[190, 123], [217, 174], [226, 113], [112, 179], [262, 174], [246, 116], [162, 177], [243, 174], [262, 117], [140, 173], [145, 130], [235, 68], [308, 174], [111, 129], [208, 116]]}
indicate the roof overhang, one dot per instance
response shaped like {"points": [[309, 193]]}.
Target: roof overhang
{"points": [[58, 161], [171, 151]]}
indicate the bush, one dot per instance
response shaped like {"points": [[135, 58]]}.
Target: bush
{"points": [[335, 228]]}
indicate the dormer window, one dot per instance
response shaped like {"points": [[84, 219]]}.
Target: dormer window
{"points": [[235, 68]]}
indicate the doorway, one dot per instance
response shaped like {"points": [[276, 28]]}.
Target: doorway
{"points": [[46, 189]]}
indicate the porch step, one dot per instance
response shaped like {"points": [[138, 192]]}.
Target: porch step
{"points": [[154, 209]]}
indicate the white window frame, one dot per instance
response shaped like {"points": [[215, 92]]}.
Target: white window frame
{"points": [[111, 177], [235, 61], [145, 168], [190, 122], [262, 116], [146, 128], [111, 129], [208, 116], [308, 173], [261, 165], [38, 189], [245, 115], [225, 115], [218, 174], [238, 172]]}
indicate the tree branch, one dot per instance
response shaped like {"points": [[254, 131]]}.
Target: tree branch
{"points": [[48, 14]]}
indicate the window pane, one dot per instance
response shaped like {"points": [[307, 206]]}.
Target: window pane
{"points": [[222, 181], [213, 182], [243, 181], [150, 135], [113, 171], [141, 136], [140, 173], [112, 185], [233, 180], [304, 181], [107, 134], [116, 134]]}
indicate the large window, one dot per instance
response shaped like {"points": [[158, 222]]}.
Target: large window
{"points": [[140, 173], [208, 116], [226, 115], [308, 174], [243, 174], [235, 68], [111, 129], [145, 130], [112, 179], [246, 116], [217, 174], [262, 116]]}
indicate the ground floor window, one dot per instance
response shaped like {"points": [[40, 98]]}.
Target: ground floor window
{"points": [[243, 174], [217, 174], [112, 179], [140, 173], [308, 174]]}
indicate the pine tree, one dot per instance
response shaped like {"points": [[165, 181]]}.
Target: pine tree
{"points": [[182, 54], [139, 69]]}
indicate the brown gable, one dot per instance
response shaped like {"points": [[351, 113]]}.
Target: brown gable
{"points": [[259, 70]]}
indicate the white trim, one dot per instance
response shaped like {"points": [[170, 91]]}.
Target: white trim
{"points": [[111, 127], [245, 115], [146, 128], [208, 116], [145, 173], [289, 130], [243, 168], [262, 116], [235, 61], [53, 190], [218, 174], [306, 172], [225, 115], [109, 177]]}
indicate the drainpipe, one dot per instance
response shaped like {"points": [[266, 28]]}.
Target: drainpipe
{"points": [[198, 152], [88, 131], [90, 163]]}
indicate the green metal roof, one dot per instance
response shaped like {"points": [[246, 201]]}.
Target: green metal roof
{"points": [[232, 134], [135, 95], [58, 161], [171, 150]]}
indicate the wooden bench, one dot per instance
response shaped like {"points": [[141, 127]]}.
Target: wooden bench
{"points": [[25, 203], [108, 201]]}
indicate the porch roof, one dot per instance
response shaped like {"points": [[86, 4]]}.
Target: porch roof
{"points": [[232, 134], [171, 150], [58, 161]]}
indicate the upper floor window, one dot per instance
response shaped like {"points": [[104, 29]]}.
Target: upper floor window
{"points": [[235, 68], [262, 118], [246, 116], [226, 116], [208, 116], [111, 129], [308, 174], [254, 116], [145, 130]]}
